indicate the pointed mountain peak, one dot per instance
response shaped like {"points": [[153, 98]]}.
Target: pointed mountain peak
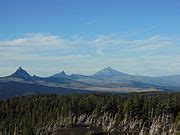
{"points": [[20, 69], [61, 74], [108, 72], [20, 73]]}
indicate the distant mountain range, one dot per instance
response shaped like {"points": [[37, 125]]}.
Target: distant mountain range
{"points": [[106, 80]]}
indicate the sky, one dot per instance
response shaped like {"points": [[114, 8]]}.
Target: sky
{"points": [[139, 37]]}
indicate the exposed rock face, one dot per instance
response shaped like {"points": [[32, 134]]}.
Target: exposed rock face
{"points": [[108, 122]]}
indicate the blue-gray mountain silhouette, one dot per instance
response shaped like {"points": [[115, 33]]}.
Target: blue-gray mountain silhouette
{"points": [[61, 74], [106, 80], [109, 72], [21, 73]]}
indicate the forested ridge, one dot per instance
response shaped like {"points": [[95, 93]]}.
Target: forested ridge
{"points": [[136, 112]]}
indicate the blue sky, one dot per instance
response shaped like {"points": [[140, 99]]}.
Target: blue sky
{"points": [[83, 36]]}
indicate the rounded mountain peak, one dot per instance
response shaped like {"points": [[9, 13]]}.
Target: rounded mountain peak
{"points": [[108, 72], [108, 68]]}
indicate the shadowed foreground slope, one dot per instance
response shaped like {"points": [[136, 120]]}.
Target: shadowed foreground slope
{"points": [[11, 89]]}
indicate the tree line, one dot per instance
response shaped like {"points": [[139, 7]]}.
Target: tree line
{"points": [[25, 114]]}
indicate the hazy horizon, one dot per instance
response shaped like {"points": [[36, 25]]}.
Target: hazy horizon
{"points": [[70, 73], [135, 37]]}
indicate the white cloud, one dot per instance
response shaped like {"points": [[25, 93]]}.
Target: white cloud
{"points": [[99, 52], [98, 44], [33, 40], [147, 44], [155, 52]]}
